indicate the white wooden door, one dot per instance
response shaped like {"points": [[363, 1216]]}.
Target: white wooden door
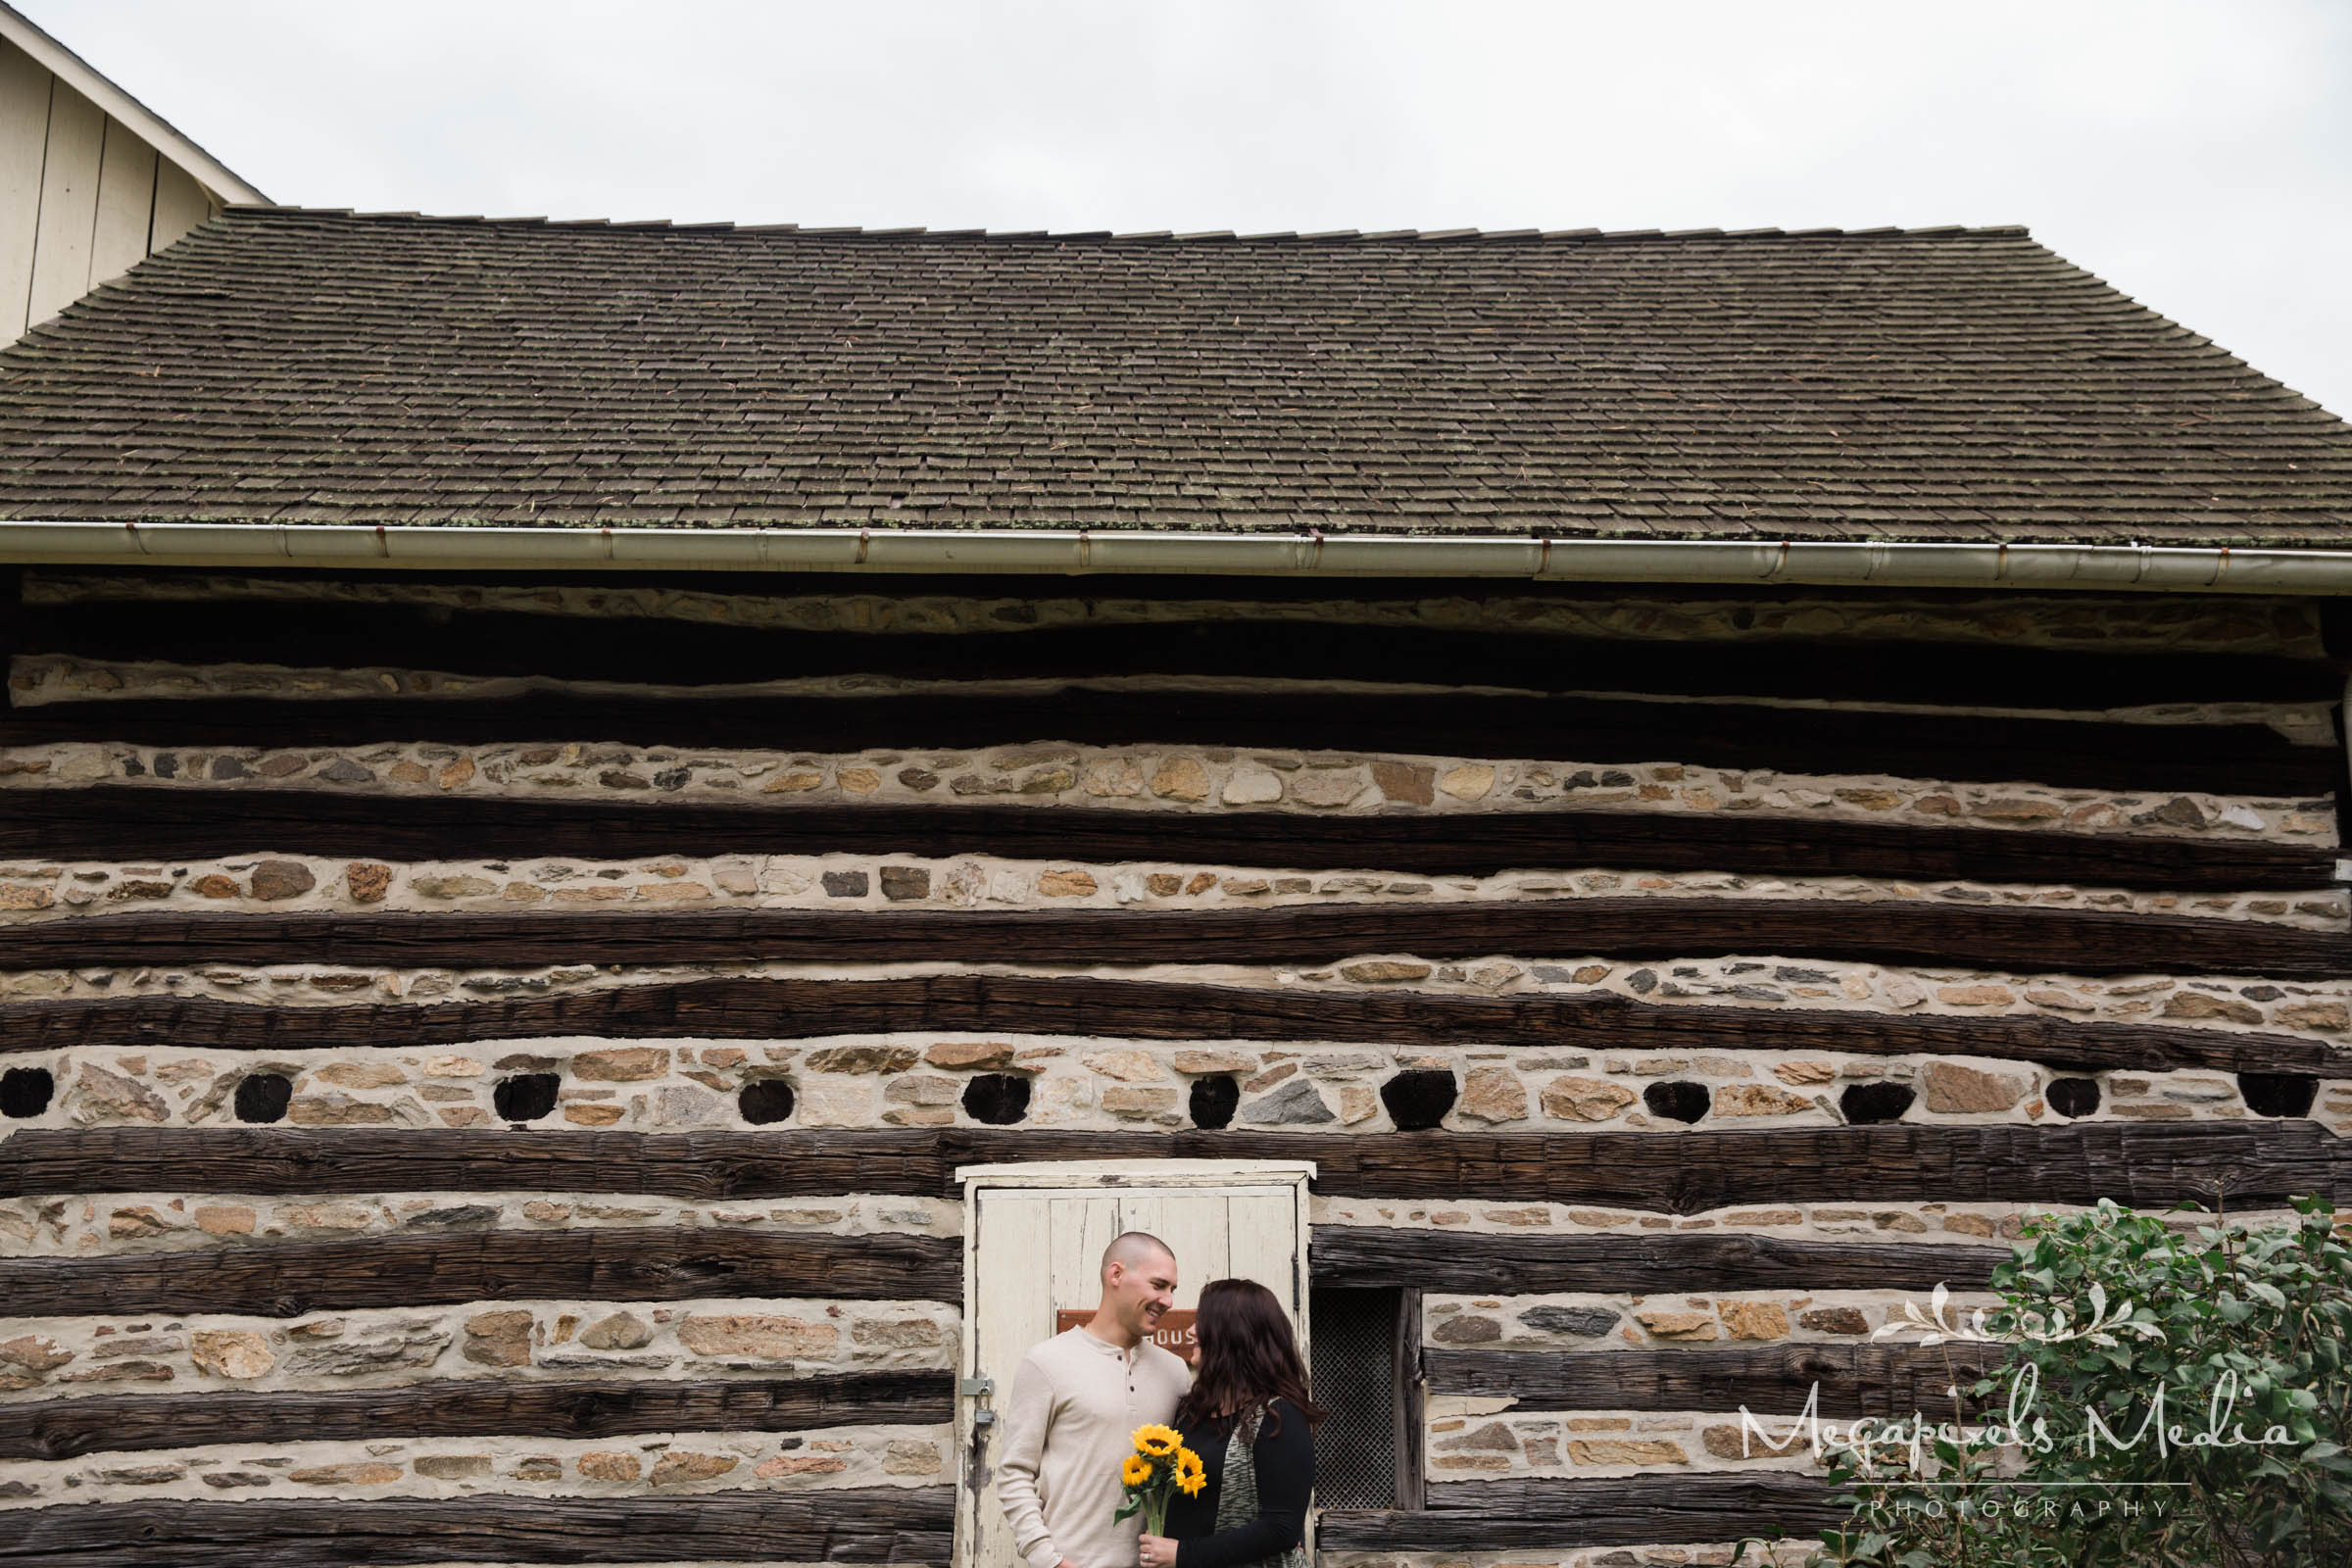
{"points": [[1033, 1241]]}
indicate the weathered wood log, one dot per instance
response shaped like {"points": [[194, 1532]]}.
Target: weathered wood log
{"points": [[111, 822], [2222, 758], [224, 630], [1524, 1264], [1675, 1173], [1851, 1380], [743, 1009], [470, 1407], [877, 1525], [647, 1263], [1549, 1513], [1890, 931]]}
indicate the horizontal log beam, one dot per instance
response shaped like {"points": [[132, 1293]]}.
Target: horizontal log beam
{"points": [[1851, 1380], [1136, 1009], [1891, 931], [1549, 1513], [1686, 1172], [2222, 759], [879, 1525], [470, 1407], [110, 822], [287, 1279], [1461, 1264], [225, 630]]}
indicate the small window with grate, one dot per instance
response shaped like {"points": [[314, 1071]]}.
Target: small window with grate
{"points": [[1367, 1360]]}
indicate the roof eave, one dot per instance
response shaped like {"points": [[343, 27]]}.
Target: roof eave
{"points": [[2142, 569]]}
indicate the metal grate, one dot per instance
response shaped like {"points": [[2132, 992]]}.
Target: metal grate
{"points": [[1354, 1353]]}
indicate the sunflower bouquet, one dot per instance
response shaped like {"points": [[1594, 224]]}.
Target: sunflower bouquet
{"points": [[1159, 1467]]}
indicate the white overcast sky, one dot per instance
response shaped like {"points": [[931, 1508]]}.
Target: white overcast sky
{"points": [[2198, 156]]}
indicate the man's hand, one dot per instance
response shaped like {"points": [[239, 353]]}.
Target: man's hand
{"points": [[1070, 1562]]}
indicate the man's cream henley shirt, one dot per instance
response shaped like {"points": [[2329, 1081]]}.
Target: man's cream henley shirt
{"points": [[1068, 1426]]}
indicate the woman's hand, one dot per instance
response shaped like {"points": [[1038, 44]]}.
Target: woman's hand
{"points": [[1157, 1552]]}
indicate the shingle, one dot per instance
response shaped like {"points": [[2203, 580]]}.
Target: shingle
{"points": [[1960, 385]]}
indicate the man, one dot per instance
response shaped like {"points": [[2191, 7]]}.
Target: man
{"points": [[1076, 1402]]}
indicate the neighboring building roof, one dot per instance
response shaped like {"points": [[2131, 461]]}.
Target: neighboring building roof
{"points": [[1951, 385], [150, 127]]}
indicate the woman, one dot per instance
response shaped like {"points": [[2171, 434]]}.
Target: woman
{"points": [[1249, 1418]]}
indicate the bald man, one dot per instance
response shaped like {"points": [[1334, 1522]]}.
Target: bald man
{"points": [[1076, 1402]]}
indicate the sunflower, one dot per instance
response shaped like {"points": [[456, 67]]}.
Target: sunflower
{"points": [[1136, 1471], [1156, 1441], [1190, 1474]]}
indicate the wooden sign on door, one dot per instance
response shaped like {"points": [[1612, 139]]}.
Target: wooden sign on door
{"points": [[1174, 1334]]}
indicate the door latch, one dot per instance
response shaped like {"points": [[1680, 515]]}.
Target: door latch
{"points": [[976, 1387]]}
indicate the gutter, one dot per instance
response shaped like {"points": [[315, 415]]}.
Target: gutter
{"points": [[2142, 568]]}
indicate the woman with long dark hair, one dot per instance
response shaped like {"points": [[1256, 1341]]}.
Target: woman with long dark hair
{"points": [[1250, 1419]]}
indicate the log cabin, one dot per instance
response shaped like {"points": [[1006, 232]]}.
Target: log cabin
{"points": [[621, 847]]}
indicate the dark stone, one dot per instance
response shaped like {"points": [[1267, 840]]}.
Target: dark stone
{"points": [[2261, 993], [463, 1218], [26, 1091], [2279, 1094], [1418, 1100], [1213, 1100], [228, 768], [998, 1099], [901, 883], [764, 1101], [1615, 779], [1585, 1322], [1880, 1102], [1641, 982], [846, 884], [263, 1096], [343, 771], [525, 1096], [2073, 1097], [166, 765], [1678, 1100], [672, 778], [283, 879]]}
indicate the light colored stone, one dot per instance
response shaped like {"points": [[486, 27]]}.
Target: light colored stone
{"points": [[1128, 1066], [1137, 1103], [1758, 1099], [1956, 1090], [2204, 1004], [226, 1220], [1326, 786], [1805, 1072], [620, 1331], [1251, 786], [1066, 884], [1665, 1323], [1469, 782], [451, 1466], [230, 1353], [357, 1474], [906, 1456], [1492, 1095], [336, 1110], [604, 1465], [985, 1054], [361, 1074], [680, 1467], [1409, 783], [451, 887], [1208, 1061], [620, 1063], [1181, 778], [2328, 1017], [1384, 971], [861, 1059], [757, 1336], [102, 1095], [1754, 1320], [1626, 1450], [1572, 1099], [1975, 996], [499, 1338]]}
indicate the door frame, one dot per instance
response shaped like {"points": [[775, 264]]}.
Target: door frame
{"points": [[1084, 1175]]}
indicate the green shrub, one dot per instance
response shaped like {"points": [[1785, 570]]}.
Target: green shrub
{"points": [[2235, 1340]]}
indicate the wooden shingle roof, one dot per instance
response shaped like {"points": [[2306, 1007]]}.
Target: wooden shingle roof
{"points": [[1964, 385]]}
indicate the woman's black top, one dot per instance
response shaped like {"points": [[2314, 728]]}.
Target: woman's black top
{"points": [[1285, 1455]]}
